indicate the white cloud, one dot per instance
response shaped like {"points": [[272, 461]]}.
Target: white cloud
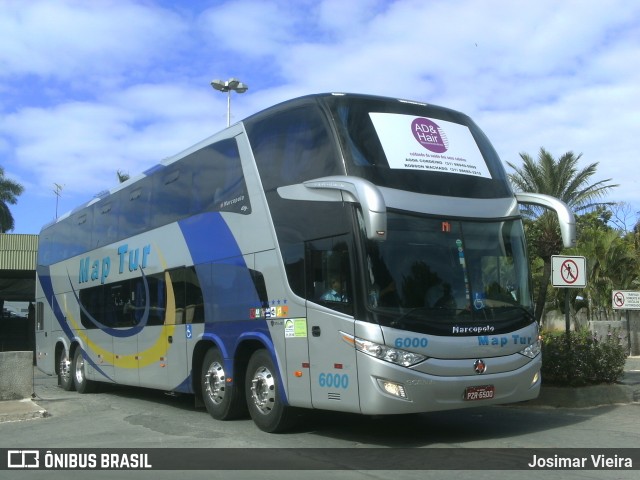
{"points": [[83, 144], [79, 42], [248, 27], [88, 88]]}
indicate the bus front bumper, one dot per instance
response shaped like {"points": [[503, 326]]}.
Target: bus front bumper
{"points": [[391, 389]]}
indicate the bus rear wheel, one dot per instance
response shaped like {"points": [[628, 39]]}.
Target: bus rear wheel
{"points": [[223, 399], [80, 381], [264, 398], [65, 380]]}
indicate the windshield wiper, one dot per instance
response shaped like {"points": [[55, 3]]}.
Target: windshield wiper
{"points": [[420, 315], [400, 322]]}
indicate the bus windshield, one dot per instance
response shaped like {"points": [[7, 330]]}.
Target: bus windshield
{"points": [[380, 143], [446, 277]]}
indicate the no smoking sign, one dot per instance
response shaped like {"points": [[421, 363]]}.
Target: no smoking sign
{"points": [[568, 272]]}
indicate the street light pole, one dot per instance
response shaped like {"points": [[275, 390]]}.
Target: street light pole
{"points": [[226, 87]]}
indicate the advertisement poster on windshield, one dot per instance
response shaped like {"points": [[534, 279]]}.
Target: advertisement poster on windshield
{"points": [[419, 143]]}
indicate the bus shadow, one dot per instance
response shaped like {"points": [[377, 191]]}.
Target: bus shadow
{"points": [[446, 428], [183, 401]]}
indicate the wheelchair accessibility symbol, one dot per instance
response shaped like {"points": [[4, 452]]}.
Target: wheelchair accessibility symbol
{"points": [[188, 332]]}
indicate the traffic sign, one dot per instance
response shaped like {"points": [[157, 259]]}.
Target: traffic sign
{"points": [[625, 300], [568, 272]]}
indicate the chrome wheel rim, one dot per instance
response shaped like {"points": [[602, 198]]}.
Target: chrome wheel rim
{"points": [[215, 379], [79, 370], [263, 390], [65, 368]]}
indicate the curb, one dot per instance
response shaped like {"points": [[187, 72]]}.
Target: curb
{"points": [[18, 410], [624, 392], [586, 397]]}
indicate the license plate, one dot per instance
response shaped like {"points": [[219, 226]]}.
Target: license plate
{"points": [[484, 392]]}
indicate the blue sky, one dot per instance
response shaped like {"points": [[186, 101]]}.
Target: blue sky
{"points": [[88, 88]]}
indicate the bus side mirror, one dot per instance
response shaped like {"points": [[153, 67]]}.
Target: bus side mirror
{"points": [[339, 188], [566, 218]]}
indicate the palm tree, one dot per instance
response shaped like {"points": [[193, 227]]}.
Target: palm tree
{"points": [[9, 191], [562, 179]]}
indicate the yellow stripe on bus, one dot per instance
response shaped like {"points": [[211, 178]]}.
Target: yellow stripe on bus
{"points": [[153, 354]]}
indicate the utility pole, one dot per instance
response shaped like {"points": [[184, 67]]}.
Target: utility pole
{"points": [[57, 191]]}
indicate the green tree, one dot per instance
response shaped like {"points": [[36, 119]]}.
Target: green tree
{"points": [[612, 264], [9, 193], [562, 179]]}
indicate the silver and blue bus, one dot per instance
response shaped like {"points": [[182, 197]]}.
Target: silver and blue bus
{"points": [[341, 252]]}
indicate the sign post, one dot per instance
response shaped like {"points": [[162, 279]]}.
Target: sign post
{"points": [[626, 300], [568, 272]]}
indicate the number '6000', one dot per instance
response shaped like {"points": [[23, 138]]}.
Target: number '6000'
{"points": [[333, 380], [407, 342]]}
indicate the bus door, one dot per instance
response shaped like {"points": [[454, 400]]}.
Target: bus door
{"points": [[43, 328], [334, 383], [185, 311], [161, 344], [124, 310]]}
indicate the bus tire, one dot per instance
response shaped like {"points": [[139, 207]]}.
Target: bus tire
{"points": [[224, 400], [264, 398], [65, 376], [80, 381]]}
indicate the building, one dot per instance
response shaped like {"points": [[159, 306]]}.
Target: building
{"points": [[18, 253]]}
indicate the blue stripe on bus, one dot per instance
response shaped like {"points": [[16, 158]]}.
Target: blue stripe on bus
{"points": [[202, 232], [121, 333], [230, 324], [47, 289], [228, 289]]}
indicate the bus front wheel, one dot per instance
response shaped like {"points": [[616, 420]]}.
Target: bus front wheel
{"points": [[264, 398]]}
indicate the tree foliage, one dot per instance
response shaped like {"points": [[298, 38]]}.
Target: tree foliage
{"points": [[563, 179], [9, 193]]}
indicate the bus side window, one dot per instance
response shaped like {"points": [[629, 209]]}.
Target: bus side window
{"points": [[194, 301], [171, 192], [189, 302], [293, 146], [328, 273], [218, 181], [136, 212], [293, 256], [105, 221]]}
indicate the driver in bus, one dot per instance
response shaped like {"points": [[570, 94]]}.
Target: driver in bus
{"points": [[335, 293]]}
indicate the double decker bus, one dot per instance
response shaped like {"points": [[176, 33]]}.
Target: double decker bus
{"points": [[341, 252]]}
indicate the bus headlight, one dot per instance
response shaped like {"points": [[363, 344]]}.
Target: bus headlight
{"points": [[383, 352], [535, 379], [533, 350], [392, 388]]}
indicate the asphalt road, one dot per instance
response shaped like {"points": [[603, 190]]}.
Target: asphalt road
{"points": [[134, 418]]}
